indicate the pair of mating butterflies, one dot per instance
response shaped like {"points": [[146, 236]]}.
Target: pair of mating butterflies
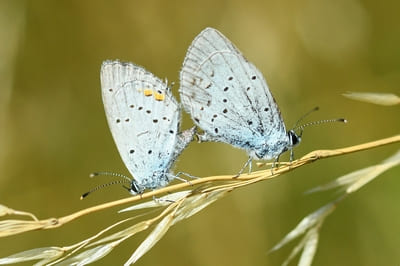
{"points": [[226, 96]]}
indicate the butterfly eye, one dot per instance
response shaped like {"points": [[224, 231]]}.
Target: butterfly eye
{"points": [[294, 139], [135, 188]]}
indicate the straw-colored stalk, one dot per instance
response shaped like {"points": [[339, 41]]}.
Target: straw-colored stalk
{"points": [[178, 202]]}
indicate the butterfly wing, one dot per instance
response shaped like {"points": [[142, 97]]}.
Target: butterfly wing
{"points": [[228, 97], [143, 117]]}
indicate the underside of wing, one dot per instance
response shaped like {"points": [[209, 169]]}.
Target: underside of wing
{"points": [[226, 95], [143, 117]]}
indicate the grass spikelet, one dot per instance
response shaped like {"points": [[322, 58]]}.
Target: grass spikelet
{"points": [[181, 201], [386, 99]]}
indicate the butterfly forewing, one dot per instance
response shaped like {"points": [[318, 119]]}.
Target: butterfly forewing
{"points": [[227, 96], [143, 117]]}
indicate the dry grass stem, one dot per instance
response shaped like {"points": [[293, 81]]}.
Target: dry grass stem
{"points": [[11, 227], [174, 204]]}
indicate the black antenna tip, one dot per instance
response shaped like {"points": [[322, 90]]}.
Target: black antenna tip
{"points": [[84, 195], [316, 108], [342, 120], [93, 174]]}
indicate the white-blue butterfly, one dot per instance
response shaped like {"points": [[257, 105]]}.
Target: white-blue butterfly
{"points": [[144, 120], [229, 99]]}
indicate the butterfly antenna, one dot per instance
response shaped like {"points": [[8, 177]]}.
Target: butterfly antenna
{"points": [[305, 115], [111, 174], [116, 182], [319, 122]]}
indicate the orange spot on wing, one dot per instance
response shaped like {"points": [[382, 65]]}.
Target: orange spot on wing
{"points": [[148, 92], [159, 97]]}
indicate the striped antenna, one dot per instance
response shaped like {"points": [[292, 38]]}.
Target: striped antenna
{"points": [[319, 122], [116, 182]]}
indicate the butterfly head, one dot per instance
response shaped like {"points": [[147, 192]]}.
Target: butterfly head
{"points": [[135, 188], [294, 138]]}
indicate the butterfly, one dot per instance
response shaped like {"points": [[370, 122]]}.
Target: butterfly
{"points": [[144, 119], [228, 98]]}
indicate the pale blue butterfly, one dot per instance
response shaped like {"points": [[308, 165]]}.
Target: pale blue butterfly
{"points": [[144, 119], [228, 98]]}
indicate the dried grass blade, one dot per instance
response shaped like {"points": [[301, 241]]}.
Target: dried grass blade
{"points": [[47, 253], [310, 247], [375, 98], [13, 227], [158, 232], [306, 223], [4, 210], [196, 203]]}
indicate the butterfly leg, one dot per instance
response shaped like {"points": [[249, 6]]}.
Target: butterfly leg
{"points": [[248, 163], [275, 164], [177, 176], [186, 174], [291, 155]]}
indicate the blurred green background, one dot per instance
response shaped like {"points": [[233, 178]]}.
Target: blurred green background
{"points": [[53, 131]]}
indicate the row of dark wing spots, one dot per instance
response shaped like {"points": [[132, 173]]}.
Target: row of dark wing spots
{"points": [[119, 120], [147, 111], [141, 108], [224, 100], [214, 116], [208, 86], [266, 109]]}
